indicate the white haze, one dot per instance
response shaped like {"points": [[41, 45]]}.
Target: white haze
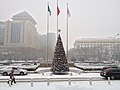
{"points": [[89, 18]]}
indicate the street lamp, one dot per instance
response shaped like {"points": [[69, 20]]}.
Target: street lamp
{"points": [[115, 36]]}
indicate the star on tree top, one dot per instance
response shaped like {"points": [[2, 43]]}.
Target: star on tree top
{"points": [[59, 30]]}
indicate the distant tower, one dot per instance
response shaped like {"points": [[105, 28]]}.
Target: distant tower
{"points": [[59, 64]]}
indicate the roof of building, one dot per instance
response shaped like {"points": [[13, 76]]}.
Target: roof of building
{"points": [[24, 16], [96, 40]]}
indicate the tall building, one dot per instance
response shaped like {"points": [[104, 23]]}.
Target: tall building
{"points": [[51, 40], [21, 32], [43, 40], [51, 45], [20, 39], [97, 48], [2, 30]]}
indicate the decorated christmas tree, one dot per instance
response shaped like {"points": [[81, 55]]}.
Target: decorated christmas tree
{"points": [[59, 64]]}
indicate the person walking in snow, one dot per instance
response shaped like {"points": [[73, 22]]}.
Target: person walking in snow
{"points": [[12, 78]]}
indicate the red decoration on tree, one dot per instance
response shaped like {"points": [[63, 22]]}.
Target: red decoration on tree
{"points": [[59, 64]]}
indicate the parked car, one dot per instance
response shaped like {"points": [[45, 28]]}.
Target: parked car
{"points": [[106, 67], [17, 71], [113, 73]]}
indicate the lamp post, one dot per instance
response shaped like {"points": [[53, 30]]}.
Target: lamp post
{"points": [[115, 37], [114, 41]]}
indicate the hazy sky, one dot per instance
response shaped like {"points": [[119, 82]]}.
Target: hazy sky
{"points": [[89, 18]]}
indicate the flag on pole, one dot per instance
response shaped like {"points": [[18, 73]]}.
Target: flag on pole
{"points": [[68, 12], [49, 10], [58, 11]]}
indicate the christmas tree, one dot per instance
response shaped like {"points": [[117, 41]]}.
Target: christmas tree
{"points": [[59, 64]]}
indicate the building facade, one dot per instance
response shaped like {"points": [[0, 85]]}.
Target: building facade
{"points": [[51, 45], [2, 30], [51, 40], [21, 31], [21, 39], [98, 49]]}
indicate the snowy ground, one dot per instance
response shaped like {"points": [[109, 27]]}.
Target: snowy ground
{"points": [[76, 85], [66, 84]]}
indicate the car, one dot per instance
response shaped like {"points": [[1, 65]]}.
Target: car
{"points": [[113, 73], [106, 67], [17, 71]]}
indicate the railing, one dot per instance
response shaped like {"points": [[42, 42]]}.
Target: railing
{"points": [[50, 80]]}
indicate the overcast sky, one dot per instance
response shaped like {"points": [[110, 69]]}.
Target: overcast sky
{"points": [[89, 18]]}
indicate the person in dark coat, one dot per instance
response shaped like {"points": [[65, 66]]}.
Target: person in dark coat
{"points": [[12, 78]]}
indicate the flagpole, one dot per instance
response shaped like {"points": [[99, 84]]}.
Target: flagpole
{"points": [[57, 19], [67, 34], [47, 31]]}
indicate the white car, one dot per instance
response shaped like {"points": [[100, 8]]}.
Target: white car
{"points": [[17, 71]]}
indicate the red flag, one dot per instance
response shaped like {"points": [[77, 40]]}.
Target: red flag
{"points": [[58, 11]]}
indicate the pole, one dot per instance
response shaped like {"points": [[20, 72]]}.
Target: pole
{"points": [[31, 81], [47, 32], [57, 19], [48, 82], [90, 81], [109, 81], [69, 81], [67, 34]]}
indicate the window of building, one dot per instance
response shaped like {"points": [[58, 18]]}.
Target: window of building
{"points": [[15, 32]]}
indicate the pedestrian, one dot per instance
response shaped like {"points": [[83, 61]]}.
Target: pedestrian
{"points": [[12, 78]]}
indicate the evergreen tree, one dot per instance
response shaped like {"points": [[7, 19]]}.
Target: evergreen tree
{"points": [[59, 64]]}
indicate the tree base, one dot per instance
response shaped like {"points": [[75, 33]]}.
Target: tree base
{"points": [[60, 73]]}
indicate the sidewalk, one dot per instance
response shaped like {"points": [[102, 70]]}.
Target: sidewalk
{"points": [[74, 85]]}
